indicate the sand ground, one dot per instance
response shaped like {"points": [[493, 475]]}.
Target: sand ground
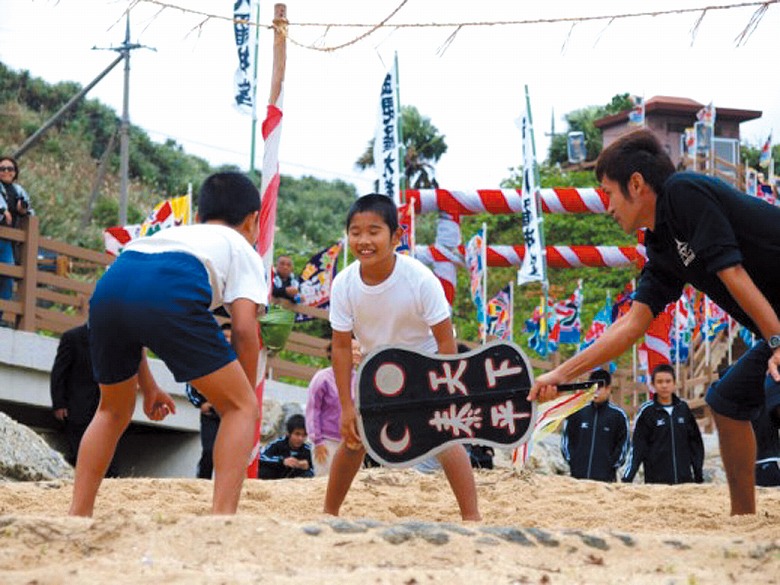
{"points": [[397, 527]]}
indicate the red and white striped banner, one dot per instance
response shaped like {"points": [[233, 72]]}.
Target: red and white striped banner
{"points": [[503, 201], [557, 256]]}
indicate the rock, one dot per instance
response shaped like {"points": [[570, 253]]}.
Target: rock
{"points": [[24, 456], [275, 416]]}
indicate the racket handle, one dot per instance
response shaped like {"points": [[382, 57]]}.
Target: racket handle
{"points": [[574, 386]]}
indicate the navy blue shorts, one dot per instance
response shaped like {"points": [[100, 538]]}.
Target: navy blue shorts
{"points": [[746, 387], [159, 301]]}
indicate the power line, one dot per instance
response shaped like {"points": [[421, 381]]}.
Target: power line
{"points": [[742, 38]]}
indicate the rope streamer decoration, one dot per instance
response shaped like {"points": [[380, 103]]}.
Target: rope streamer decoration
{"points": [[741, 39]]}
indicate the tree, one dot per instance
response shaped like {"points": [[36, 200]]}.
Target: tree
{"points": [[423, 146], [583, 120]]}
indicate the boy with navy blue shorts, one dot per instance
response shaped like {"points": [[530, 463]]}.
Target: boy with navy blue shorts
{"points": [[701, 231], [160, 294]]}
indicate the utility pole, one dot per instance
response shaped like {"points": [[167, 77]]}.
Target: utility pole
{"points": [[551, 133], [124, 126]]}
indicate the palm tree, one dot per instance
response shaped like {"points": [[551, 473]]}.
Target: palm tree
{"points": [[423, 146]]}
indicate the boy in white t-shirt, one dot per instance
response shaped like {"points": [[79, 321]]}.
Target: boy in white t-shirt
{"points": [[159, 294], [385, 298]]}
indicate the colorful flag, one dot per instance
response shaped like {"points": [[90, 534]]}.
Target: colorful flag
{"points": [[499, 314], [567, 317], [539, 329], [243, 79], [475, 263], [623, 302], [387, 159], [707, 115], [406, 223], [116, 238], [316, 278], [166, 214], [655, 349], [636, 116], [690, 140], [532, 268], [766, 153], [751, 182], [601, 321], [684, 324]]}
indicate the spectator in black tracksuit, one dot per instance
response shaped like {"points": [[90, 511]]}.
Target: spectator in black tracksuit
{"points": [[594, 440], [288, 456], [667, 439]]}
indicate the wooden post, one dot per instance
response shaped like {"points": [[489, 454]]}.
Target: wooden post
{"points": [[28, 287]]}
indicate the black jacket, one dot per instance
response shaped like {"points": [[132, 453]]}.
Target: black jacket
{"points": [[670, 447], [272, 460], [594, 441], [72, 385]]}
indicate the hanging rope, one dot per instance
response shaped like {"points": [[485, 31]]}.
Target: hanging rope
{"points": [[741, 38]]}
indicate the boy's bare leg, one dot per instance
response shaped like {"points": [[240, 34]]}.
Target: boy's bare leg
{"points": [[234, 399], [457, 467], [346, 464], [117, 402], [738, 452]]}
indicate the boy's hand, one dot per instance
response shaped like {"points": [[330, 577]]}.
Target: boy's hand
{"points": [[158, 404], [349, 432], [320, 454]]}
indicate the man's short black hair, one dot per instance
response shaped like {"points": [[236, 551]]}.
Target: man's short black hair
{"points": [[599, 375], [640, 152], [295, 422], [382, 205], [227, 197], [660, 368]]}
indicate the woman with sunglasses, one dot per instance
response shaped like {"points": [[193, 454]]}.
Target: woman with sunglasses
{"points": [[14, 203]]}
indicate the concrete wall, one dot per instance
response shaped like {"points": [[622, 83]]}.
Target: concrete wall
{"points": [[168, 448]]}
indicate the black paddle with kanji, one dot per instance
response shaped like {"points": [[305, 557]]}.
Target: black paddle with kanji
{"points": [[411, 405]]}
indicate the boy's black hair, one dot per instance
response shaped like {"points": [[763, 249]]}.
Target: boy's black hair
{"points": [[640, 152], [660, 368], [601, 374], [382, 205], [295, 422], [227, 197]]}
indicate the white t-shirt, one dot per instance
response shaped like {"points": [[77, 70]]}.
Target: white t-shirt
{"points": [[235, 269], [398, 311]]}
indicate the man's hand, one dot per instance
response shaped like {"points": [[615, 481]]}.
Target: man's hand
{"points": [[290, 462], [158, 404], [321, 454], [348, 426], [61, 414], [291, 290], [546, 387]]}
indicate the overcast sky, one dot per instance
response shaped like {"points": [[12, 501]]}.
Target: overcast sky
{"points": [[473, 91]]}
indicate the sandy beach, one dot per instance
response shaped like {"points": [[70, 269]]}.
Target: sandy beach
{"points": [[397, 526]]}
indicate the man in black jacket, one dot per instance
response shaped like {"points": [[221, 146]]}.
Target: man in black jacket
{"points": [[74, 393], [667, 438], [594, 440]]}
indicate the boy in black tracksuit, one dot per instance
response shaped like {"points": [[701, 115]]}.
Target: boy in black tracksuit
{"points": [[288, 456], [667, 438], [594, 440]]}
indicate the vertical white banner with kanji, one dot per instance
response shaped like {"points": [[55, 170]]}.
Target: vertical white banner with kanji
{"points": [[387, 160], [532, 267]]}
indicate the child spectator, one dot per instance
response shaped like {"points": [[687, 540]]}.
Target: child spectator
{"points": [[159, 294], [386, 298], [667, 439], [594, 440], [323, 412], [288, 456]]}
